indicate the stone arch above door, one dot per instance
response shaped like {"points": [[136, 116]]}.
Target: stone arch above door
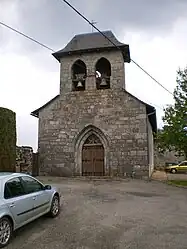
{"points": [[80, 141]]}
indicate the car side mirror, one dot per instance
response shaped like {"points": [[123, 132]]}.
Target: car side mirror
{"points": [[47, 187]]}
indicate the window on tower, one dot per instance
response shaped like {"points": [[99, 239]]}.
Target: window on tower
{"points": [[103, 73], [78, 75]]}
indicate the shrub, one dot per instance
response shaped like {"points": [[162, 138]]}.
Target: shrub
{"points": [[7, 140]]}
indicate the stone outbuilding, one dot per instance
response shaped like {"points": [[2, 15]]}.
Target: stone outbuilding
{"points": [[94, 127]]}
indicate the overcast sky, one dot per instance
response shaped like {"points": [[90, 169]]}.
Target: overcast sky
{"points": [[156, 31]]}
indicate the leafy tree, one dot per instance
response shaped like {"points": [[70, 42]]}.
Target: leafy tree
{"points": [[173, 136]]}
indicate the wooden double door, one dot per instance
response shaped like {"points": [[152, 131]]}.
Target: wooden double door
{"points": [[93, 158]]}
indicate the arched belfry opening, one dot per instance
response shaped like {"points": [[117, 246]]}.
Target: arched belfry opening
{"points": [[79, 74], [103, 73], [93, 157]]}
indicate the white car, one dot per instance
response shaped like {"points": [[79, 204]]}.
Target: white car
{"points": [[22, 200]]}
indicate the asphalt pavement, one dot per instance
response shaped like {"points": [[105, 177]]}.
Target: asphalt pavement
{"points": [[130, 214]]}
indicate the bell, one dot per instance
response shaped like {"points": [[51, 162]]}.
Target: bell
{"points": [[79, 84], [98, 74], [103, 82]]}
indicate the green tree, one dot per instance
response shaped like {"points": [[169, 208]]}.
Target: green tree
{"points": [[173, 136]]}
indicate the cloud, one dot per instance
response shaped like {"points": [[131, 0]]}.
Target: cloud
{"points": [[145, 15], [8, 14], [27, 136], [30, 76], [21, 83], [54, 23], [24, 87]]}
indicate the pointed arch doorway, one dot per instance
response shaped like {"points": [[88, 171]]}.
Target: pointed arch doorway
{"points": [[93, 157]]}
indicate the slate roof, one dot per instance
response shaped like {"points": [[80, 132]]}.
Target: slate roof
{"points": [[91, 42], [150, 110]]}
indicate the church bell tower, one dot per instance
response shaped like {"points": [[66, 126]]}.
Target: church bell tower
{"points": [[90, 61]]}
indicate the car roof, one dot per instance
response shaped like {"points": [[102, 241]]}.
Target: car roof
{"points": [[4, 175]]}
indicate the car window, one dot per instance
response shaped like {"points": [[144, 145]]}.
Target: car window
{"points": [[13, 188], [31, 185], [183, 164]]}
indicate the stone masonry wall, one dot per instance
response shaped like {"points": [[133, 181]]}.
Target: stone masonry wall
{"points": [[117, 70], [120, 117], [24, 156]]}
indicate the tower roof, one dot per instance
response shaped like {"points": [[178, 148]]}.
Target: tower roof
{"points": [[92, 42]]}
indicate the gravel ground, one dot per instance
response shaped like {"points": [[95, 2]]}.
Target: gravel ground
{"points": [[114, 215]]}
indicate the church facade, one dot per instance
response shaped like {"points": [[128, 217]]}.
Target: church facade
{"points": [[95, 127]]}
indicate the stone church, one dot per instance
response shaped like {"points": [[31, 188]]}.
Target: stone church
{"points": [[95, 127]]}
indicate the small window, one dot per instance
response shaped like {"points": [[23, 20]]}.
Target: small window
{"points": [[31, 185], [13, 188]]}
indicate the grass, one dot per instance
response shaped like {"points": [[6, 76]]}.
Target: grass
{"points": [[178, 182]]}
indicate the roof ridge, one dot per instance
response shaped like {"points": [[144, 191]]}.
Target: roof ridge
{"points": [[93, 33]]}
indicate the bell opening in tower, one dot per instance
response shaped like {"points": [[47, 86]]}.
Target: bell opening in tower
{"points": [[103, 73], [78, 76]]}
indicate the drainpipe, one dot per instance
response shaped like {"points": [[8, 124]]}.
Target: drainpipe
{"points": [[148, 153]]}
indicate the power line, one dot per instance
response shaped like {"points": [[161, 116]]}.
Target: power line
{"points": [[150, 103], [26, 36], [151, 77], [91, 23], [43, 45]]}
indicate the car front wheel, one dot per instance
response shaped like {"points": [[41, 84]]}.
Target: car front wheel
{"points": [[173, 171], [6, 230], [55, 207]]}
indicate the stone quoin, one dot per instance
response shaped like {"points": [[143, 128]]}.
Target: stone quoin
{"points": [[95, 127]]}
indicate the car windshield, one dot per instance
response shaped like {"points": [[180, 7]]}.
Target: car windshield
{"points": [[183, 164]]}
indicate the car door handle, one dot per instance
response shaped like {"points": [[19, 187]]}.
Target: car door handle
{"points": [[12, 205], [34, 197]]}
